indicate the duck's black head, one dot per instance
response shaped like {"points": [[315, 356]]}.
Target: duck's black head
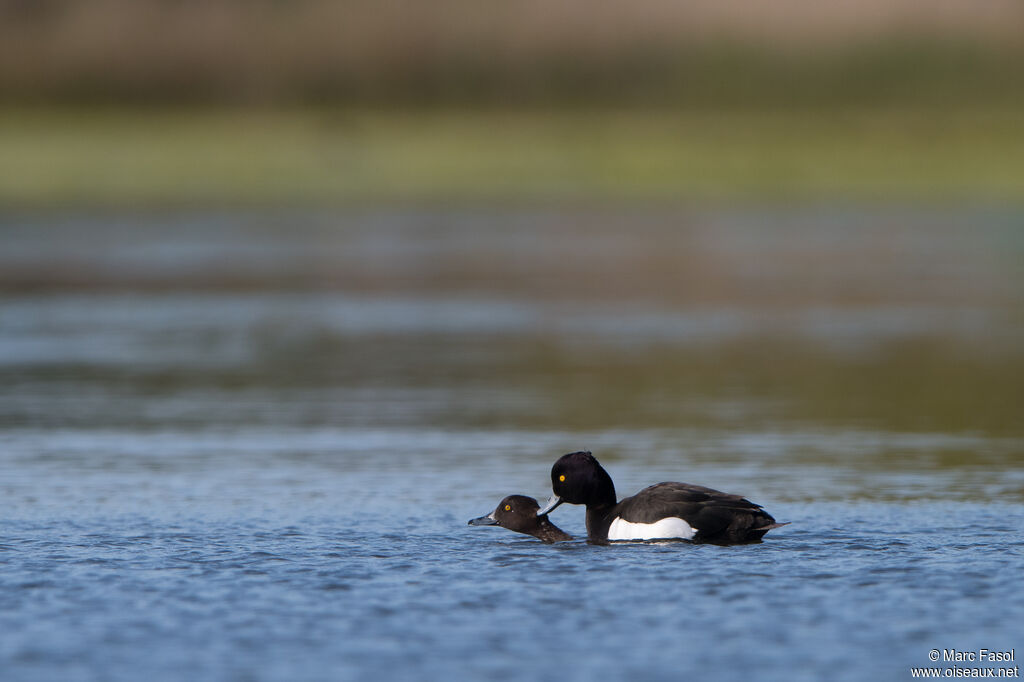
{"points": [[578, 478], [519, 513]]}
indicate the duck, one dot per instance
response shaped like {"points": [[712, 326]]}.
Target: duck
{"points": [[664, 511], [519, 513]]}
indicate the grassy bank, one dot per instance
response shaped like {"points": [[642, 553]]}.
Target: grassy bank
{"points": [[61, 157], [533, 52]]}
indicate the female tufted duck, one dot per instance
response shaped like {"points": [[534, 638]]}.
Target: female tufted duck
{"points": [[665, 511], [519, 513]]}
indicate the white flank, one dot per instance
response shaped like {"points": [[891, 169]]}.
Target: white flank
{"points": [[663, 529]]}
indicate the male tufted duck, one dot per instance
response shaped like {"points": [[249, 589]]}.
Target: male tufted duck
{"points": [[519, 513], [664, 511]]}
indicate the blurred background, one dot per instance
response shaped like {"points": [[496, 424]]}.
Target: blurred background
{"points": [[120, 102], [294, 284], [845, 176]]}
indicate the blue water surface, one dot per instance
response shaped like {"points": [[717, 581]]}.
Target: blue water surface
{"points": [[236, 447]]}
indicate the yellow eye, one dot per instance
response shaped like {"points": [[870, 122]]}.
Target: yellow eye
{"points": [[562, 477], [508, 507]]}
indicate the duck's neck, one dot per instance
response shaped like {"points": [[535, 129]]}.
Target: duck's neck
{"points": [[599, 518], [599, 507], [549, 532]]}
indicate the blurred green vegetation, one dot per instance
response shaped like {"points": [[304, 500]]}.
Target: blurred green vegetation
{"points": [[286, 157], [172, 102]]}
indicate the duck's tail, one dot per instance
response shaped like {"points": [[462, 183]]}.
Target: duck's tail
{"points": [[771, 526]]}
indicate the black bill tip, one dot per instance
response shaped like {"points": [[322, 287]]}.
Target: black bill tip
{"points": [[552, 503]]}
